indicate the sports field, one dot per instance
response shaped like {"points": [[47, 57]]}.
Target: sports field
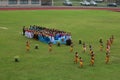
{"points": [[86, 25]]}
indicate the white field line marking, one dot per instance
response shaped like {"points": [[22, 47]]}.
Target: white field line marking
{"points": [[3, 28]]}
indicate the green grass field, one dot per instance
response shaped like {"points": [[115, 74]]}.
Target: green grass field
{"points": [[87, 25]]}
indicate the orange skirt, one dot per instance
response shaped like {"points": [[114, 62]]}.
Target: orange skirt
{"points": [[76, 60], [107, 59], [92, 61]]}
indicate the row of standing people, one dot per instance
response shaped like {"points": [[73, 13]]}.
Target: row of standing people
{"points": [[92, 54]]}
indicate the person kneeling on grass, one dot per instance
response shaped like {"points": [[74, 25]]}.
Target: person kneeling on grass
{"points": [[36, 46], [16, 59], [58, 44], [80, 42]]}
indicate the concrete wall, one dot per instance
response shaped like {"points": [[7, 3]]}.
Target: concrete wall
{"points": [[5, 3]]}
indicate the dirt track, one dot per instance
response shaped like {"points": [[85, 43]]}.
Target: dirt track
{"points": [[61, 8]]}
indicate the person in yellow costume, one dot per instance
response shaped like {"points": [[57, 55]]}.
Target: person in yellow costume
{"points": [[27, 46], [101, 44], [50, 47], [71, 48], [81, 62], [84, 47], [92, 58], [76, 58], [107, 58]]}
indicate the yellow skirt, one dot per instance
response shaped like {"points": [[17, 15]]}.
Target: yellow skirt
{"points": [[27, 47], [81, 63]]}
